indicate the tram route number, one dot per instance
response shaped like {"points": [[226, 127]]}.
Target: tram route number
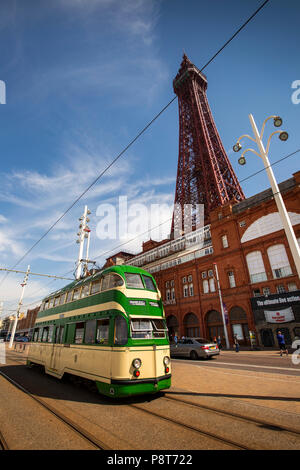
{"points": [[158, 459]]}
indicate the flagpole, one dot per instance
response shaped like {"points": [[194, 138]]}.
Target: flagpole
{"points": [[222, 307]]}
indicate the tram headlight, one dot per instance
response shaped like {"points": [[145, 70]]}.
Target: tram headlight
{"points": [[166, 360], [136, 363]]}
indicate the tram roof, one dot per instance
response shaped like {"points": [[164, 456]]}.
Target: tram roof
{"points": [[120, 269]]}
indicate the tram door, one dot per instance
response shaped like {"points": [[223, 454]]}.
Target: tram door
{"points": [[57, 348]]}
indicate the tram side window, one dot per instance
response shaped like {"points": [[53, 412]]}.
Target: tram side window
{"points": [[141, 329], [69, 296], [36, 335], [55, 301], [51, 303], [46, 304], [50, 334], [79, 333], [40, 334], [121, 331], [62, 298], [59, 334], [110, 281], [45, 334], [102, 331], [90, 331], [76, 294], [95, 287], [134, 281], [85, 290], [149, 283]]}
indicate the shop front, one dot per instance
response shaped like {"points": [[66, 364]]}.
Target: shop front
{"points": [[277, 312]]}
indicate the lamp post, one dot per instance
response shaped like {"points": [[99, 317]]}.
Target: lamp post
{"points": [[263, 154]]}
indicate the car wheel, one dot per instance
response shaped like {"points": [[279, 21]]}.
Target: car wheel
{"points": [[193, 355]]}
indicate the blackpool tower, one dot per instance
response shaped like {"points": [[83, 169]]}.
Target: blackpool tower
{"points": [[204, 174]]}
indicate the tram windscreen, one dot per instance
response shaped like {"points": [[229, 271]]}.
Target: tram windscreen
{"points": [[148, 328], [134, 280]]}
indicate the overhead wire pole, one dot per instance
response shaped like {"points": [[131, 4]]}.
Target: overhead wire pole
{"points": [[135, 139], [19, 308]]}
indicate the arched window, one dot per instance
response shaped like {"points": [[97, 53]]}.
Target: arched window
{"points": [[212, 286], [279, 261], [205, 287], [256, 267]]}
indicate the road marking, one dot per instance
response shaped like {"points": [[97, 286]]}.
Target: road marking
{"points": [[245, 365]]}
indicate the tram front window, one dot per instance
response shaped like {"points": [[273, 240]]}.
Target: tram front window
{"points": [[148, 328], [134, 281]]}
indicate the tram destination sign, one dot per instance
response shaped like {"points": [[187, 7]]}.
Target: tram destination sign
{"points": [[276, 301]]}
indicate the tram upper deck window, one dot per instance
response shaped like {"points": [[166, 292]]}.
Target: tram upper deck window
{"points": [[85, 290], [62, 298], [134, 281], [69, 296], [76, 293], [95, 287], [51, 303], [149, 283], [55, 301]]}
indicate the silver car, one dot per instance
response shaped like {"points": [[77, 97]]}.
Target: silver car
{"points": [[194, 348]]}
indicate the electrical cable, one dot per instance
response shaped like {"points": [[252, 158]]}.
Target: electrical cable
{"points": [[130, 144]]}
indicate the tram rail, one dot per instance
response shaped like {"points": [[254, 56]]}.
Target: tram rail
{"points": [[96, 443]]}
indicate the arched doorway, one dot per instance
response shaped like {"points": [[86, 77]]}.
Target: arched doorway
{"points": [[239, 325], [214, 324], [267, 337], [191, 325], [172, 324]]}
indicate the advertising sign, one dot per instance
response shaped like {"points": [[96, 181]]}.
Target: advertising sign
{"points": [[279, 316]]}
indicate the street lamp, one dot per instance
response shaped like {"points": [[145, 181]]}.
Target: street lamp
{"points": [[263, 153]]}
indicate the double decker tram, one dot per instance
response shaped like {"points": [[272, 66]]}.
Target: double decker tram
{"points": [[110, 328]]}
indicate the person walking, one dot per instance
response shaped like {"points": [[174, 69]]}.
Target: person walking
{"points": [[219, 341], [281, 343], [236, 344]]}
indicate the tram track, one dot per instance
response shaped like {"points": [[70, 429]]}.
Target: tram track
{"points": [[239, 416], [229, 442], [83, 433], [3, 443]]}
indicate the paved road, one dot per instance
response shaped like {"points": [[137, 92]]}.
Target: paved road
{"points": [[263, 361]]}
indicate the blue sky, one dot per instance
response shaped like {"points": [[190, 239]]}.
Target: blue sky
{"points": [[83, 77]]}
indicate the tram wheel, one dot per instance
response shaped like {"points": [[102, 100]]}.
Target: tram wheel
{"points": [[193, 355]]}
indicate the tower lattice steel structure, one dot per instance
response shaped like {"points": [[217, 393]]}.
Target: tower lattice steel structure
{"points": [[204, 175]]}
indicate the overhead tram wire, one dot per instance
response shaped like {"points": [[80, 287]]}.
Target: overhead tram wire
{"points": [[133, 141], [112, 250]]}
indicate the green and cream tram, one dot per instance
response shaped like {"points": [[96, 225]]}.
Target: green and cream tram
{"points": [[109, 327]]}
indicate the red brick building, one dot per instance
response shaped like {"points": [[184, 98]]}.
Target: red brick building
{"points": [[248, 244], [25, 324]]}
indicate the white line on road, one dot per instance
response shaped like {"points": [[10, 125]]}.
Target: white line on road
{"points": [[243, 365]]}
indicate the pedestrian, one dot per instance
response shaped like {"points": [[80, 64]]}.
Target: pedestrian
{"points": [[281, 343], [215, 339], [236, 344], [175, 338], [219, 341]]}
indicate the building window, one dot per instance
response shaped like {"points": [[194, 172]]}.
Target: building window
{"points": [[256, 293], [190, 278], [210, 273], [292, 286], [279, 261], [167, 284], [191, 288], [231, 279], [280, 289], [212, 286], [172, 283], [242, 223], [256, 267], [266, 291], [205, 287], [184, 280], [173, 293], [185, 291], [224, 241], [204, 274], [168, 296]]}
